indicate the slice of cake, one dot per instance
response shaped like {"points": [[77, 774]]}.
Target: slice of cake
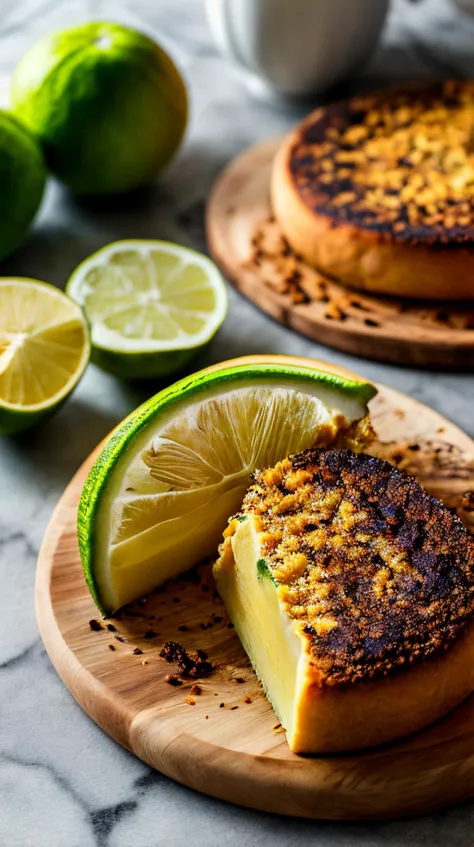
{"points": [[377, 191], [352, 591]]}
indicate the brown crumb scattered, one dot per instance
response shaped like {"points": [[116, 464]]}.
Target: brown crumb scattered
{"points": [[221, 705], [278, 728], [95, 626], [189, 665], [120, 638], [239, 679], [230, 626], [111, 647], [196, 689], [233, 708], [190, 700], [111, 627], [173, 652], [173, 679], [137, 651], [247, 699], [144, 661], [207, 717], [285, 273]]}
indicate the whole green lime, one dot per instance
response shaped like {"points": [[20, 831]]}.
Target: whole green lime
{"points": [[107, 104], [22, 181]]}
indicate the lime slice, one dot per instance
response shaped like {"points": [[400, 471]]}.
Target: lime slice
{"points": [[152, 306], [161, 492], [44, 350]]}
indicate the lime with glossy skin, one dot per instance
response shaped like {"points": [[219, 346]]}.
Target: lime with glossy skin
{"points": [[22, 181], [107, 104], [161, 491]]}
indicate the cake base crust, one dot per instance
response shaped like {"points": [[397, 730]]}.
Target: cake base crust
{"points": [[352, 592], [365, 258]]}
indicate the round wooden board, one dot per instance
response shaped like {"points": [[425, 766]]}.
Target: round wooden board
{"points": [[229, 744], [250, 249]]}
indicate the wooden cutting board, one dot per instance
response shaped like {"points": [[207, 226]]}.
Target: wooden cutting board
{"points": [[226, 741], [250, 249]]}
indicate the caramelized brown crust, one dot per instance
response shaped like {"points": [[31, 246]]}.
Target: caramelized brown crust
{"points": [[379, 573], [397, 163]]}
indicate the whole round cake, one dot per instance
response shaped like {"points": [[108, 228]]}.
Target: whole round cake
{"points": [[378, 191]]}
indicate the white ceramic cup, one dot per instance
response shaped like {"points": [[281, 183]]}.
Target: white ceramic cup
{"points": [[297, 47]]}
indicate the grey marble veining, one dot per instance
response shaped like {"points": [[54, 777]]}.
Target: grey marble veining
{"points": [[63, 783]]}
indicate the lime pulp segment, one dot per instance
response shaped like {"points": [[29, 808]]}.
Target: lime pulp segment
{"points": [[152, 305], [149, 296], [44, 350], [161, 492]]}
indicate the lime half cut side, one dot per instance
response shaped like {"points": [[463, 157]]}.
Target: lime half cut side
{"points": [[152, 306], [44, 350], [161, 492]]}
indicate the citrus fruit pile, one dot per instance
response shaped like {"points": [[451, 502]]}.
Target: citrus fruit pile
{"points": [[106, 103], [161, 491], [102, 106], [148, 306]]}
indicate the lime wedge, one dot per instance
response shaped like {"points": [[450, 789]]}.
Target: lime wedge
{"points": [[44, 350], [151, 305], [160, 493]]}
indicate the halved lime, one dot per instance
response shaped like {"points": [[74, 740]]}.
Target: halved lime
{"points": [[151, 305], [44, 350], [160, 494]]}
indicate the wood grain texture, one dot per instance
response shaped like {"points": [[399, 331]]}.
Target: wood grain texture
{"points": [[228, 744], [248, 245]]}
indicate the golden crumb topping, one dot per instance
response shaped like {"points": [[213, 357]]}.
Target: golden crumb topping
{"points": [[399, 163], [378, 572]]}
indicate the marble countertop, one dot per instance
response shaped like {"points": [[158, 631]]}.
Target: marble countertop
{"points": [[63, 783]]}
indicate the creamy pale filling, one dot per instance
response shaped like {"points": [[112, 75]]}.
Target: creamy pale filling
{"points": [[269, 637]]}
